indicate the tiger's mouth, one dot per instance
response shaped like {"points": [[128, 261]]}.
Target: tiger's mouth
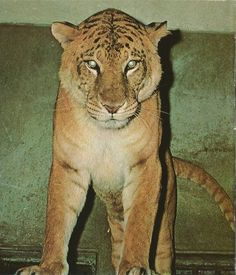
{"points": [[114, 120]]}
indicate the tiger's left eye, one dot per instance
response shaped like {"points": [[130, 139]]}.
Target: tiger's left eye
{"points": [[131, 64], [92, 64]]}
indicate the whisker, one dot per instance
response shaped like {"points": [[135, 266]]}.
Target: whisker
{"points": [[126, 111], [164, 112], [157, 116], [94, 107], [143, 121], [131, 107], [92, 103], [96, 111]]}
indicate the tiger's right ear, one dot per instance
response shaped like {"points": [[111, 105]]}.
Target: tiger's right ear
{"points": [[64, 32], [156, 31]]}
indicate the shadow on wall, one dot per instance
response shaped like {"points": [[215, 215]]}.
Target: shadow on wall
{"points": [[167, 81], [164, 50]]}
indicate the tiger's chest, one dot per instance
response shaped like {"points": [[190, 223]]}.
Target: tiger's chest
{"points": [[109, 164], [105, 157]]}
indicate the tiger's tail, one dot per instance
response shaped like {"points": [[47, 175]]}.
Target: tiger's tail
{"points": [[187, 170]]}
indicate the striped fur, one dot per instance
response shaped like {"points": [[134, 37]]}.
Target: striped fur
{"points": [[187, 170], [108, 131]]}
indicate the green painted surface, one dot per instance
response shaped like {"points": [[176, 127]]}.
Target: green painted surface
{"points": [[195, 15], [201, 115]]}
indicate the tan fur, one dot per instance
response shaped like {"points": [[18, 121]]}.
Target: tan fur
{"points": [[185, 169], [108, 131]]}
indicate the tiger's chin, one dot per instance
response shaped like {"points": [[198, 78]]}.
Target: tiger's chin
{"points": [[113, 123]]}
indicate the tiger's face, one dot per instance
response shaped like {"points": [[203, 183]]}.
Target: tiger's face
{"points": [[110, 65]]}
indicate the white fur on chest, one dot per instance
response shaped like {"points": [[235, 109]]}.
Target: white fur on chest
{"points": [[105, 158], [109, 168]]}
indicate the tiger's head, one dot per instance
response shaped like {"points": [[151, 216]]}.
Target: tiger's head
{"points": [[110, 64]]}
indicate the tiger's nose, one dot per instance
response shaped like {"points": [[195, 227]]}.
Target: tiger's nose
{"points": [[112, 108]]}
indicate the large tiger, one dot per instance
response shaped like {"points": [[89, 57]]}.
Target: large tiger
{"points": [[108, 133]]}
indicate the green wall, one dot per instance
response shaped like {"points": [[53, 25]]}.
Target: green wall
{"points": [[201, 118], [194, 15]]}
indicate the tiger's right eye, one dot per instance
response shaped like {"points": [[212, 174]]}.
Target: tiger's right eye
{"points": [[131, 64], [92, 64]]}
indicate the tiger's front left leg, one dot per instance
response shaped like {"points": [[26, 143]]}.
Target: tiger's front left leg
{"points": [[66, 197], [117, 235], [140, 200]]}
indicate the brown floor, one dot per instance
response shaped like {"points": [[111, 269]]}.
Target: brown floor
{"points": [[10, 269]]}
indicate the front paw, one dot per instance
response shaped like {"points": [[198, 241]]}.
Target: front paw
{"points": [[136, 271], [32, 270], [141, 271], [50, 269]]}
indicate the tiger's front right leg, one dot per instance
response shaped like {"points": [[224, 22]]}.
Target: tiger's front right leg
{"points": [[66, 197]]}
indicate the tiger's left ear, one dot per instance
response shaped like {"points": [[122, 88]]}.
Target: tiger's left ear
{"points": [[156, 31]]}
